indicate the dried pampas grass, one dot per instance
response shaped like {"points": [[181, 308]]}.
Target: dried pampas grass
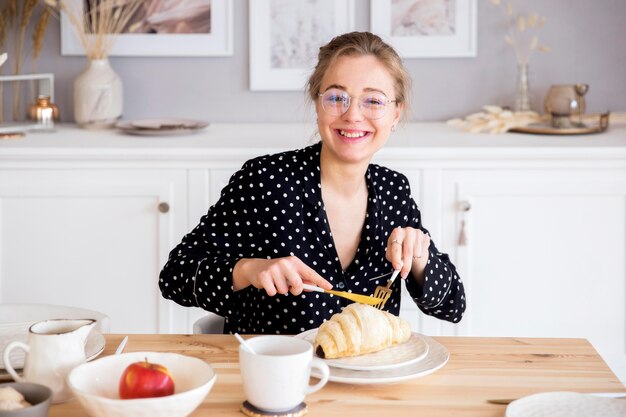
{"points": [[39, 33], [28, 8], [96, 22], [522, 32], [16, 17], [495, 119]]}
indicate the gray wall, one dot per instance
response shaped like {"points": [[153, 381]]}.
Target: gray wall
{"points": [[588, 41]]}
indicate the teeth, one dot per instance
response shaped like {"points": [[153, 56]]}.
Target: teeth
{"points": [[352, 135]]}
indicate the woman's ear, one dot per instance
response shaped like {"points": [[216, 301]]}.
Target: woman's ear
{"points": [[398, 115]]}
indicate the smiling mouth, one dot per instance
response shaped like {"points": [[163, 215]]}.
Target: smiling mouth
{"points": [[352, 135]]}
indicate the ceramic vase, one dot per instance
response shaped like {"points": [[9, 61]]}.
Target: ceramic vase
{"points": [[98, 96], [522, 92]]}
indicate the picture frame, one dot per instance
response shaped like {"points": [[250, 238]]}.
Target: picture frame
{"points": [[277, 63], [440, 36], [33, 86], [217, 43]]}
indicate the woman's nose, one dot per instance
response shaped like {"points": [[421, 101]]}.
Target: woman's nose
{"points": [[354, 112]]}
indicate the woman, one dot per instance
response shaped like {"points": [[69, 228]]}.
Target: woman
{"points": [[321, 215]]}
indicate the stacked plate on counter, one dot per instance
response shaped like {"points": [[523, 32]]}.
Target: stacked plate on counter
{"points": [[161, 127], [566, 404], [419, 356]]}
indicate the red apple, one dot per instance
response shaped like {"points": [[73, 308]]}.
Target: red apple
{"points": [[146, 380]]}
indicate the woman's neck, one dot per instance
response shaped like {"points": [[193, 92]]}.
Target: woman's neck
{"points": [[347, 179]]}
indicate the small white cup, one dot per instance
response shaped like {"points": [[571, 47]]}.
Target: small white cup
{"points": [[276, 378]]}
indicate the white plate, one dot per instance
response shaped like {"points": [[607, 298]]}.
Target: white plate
{"points": [[15, 320], [437, 357], [161, 127], [413, 350], [566, 404]]}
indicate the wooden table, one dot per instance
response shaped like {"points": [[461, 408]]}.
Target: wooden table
{"points": [[478, 369]]}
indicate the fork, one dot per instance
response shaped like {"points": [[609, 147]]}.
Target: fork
{"points": [[384, 292], [359, 298]]}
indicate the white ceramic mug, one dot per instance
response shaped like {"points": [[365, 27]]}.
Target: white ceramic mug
{"points": [[276, 378]]}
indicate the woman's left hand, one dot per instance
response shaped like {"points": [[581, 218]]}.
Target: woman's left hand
{"points": [[407, 250]]}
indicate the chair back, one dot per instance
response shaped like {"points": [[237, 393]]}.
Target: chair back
{"points": [[209, 324]]}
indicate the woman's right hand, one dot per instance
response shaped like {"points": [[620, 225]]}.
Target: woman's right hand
{"points": [[280, 275]]}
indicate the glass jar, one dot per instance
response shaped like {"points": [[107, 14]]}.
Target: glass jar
{"points": [[44, 112], [563, 103]]}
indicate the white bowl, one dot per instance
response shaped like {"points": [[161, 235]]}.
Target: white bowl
{"points": [[96, 385], [39, 397]]}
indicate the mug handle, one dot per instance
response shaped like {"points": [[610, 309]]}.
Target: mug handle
{"points": [[323, 368], [7, 362]]}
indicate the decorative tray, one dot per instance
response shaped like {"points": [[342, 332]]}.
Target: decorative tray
{"points": [[161, 127], [545, 128]]}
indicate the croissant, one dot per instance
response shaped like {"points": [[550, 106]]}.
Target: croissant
{"points": [[359, 329]]}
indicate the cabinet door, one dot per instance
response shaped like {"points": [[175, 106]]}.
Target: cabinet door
{"points": [[544, 255], [92, 238]]}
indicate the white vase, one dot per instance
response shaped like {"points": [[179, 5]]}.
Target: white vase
{"points": [[98, 95]]}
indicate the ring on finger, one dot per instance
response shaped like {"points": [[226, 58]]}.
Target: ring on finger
{"points": [[396, 242]]}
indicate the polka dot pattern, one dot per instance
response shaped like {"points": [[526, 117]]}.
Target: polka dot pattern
{"points": [[272, 208]]}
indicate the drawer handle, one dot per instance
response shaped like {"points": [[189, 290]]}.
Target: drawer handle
{"points": [[464, 207], [164, 207], [462, 236]]}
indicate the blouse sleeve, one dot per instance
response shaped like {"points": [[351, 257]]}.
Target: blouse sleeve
{"points": [[199, 270], [443, 294]]}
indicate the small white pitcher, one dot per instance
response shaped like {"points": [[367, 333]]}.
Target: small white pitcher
{"points": [[53, 349]]}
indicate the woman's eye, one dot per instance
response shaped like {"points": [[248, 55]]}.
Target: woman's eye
{"points": [[337, 98], [374, 101]]}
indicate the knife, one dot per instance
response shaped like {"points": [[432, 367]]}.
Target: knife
{"points": [[619, 395], [359, 298]]}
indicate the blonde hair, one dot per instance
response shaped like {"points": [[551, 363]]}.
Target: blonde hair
{"points": [[361, 44]]}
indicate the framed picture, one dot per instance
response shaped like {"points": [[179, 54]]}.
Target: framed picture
{"points": [[200, 28], [426, 28], [285, 37]]}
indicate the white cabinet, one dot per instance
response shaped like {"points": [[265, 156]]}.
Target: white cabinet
{"points": [[546, 232], [545, 253], [92, 238]]}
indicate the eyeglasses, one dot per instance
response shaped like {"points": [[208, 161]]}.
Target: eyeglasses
{"points": [[373, 105]]}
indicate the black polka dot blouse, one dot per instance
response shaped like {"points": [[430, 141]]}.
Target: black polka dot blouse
{"points": [[271, 208]]}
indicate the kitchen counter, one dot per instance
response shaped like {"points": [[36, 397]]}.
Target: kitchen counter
{"points": [[414, 140], [478, 369]]}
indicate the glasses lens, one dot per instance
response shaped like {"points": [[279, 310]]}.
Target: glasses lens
{"points": [[373, 105], [335, 102]]}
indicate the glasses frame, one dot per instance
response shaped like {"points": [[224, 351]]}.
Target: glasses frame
{"points": [[332, 113]]}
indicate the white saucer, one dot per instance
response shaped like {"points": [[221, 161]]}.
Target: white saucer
{"points": [[437, 357], [413, 350], [566, 404]]}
